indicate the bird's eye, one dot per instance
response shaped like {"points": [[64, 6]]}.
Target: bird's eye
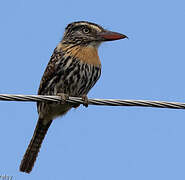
{"points": [[86, 30]]}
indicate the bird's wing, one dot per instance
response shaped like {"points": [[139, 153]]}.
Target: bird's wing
{"points": [[50, 72]]}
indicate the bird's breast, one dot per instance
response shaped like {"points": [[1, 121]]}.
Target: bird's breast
{"points": [[78, 70], [76, 77]]}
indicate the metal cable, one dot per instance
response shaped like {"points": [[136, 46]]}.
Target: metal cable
{"points": [[105, 102]]}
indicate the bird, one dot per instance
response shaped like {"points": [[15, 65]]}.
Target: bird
{"points": [[73, 70]]}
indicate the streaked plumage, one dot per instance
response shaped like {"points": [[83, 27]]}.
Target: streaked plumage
{"points": [[73, 69]]}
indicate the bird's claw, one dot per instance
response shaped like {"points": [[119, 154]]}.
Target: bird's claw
{"points": [[76, 105], [85, 100], [64, 97]]}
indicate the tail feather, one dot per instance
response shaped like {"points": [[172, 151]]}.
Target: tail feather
{"points": [[32, 151]]}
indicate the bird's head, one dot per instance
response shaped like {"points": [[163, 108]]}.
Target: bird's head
{"points": [[87, 33]]}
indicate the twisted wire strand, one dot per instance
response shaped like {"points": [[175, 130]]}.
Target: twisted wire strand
{"points": [[105, 102]]}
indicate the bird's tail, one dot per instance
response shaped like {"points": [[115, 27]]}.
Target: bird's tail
{"points": [[32, 151]]}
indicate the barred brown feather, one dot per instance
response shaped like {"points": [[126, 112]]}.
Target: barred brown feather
{"points": [[34, 146], [62, 75]]}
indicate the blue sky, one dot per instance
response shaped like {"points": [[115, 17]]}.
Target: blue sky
{"points": [[97, 142]]}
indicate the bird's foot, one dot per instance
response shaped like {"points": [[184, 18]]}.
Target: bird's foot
{"points": [[76, 105], [85, 100], [64, 97]]}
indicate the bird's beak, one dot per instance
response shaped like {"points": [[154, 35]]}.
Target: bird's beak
{"points": [[110, 36]]}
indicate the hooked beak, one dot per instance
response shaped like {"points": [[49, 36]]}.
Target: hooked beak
{"points": [[110, 36]]}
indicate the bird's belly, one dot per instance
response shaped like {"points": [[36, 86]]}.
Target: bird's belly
{"points": [[78, 80]]}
